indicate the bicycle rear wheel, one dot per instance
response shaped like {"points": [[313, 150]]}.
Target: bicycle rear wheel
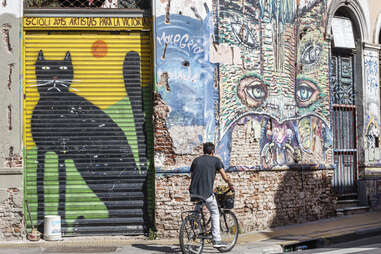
{"points": [[229, 230], [191, 240]]}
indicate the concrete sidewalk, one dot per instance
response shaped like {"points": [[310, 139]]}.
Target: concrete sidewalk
{"points": [[308, 235]]}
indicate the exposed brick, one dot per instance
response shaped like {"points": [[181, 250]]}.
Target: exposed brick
{"points": [[11, 216], [264, 199]]}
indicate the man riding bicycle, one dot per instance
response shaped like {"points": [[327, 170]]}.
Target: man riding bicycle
{"points": [[203, 172]]}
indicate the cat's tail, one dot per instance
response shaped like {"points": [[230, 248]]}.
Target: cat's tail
{"points": [[132, 83]]}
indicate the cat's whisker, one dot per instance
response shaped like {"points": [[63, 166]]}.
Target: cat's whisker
{"points": [[50, 88], [41, 84], [44, 81], [74, 89], [44, 84]]}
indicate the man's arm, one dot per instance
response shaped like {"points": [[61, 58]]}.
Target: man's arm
{"points": [[226, 178]]}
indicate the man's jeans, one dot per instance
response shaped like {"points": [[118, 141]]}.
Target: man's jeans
{"points": [[212, 206]]}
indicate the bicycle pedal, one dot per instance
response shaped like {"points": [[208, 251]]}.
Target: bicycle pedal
{"points": [[206, 236]]}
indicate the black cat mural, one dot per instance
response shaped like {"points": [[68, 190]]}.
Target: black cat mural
{"points": [[75, 129]]}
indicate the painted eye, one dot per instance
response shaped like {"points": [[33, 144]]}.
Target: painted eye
{"points": [[252, 91], [244, 35], [306, 92], [311, 54], [256, 92], [45, 67], [63, 67]]}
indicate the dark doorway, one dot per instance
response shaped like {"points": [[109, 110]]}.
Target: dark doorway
{"points": [[346, 108]]}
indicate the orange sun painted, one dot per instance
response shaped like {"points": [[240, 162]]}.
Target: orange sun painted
{"points": [[99, 48]]}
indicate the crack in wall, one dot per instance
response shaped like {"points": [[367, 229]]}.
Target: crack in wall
{"points": [[13, 160], [167, 8], [10, 117], [195, 12], [6, 37], [216, 77], [164, 51], [11, 67]]}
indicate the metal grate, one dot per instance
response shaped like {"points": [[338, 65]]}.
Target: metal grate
{"points": [[130, 4], [344, 124]]}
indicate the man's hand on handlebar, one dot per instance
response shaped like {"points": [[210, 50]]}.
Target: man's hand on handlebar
{"points": [[231, 186]]}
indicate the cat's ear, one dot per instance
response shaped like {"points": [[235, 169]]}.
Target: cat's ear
{"points": [[40, 56], [67, 57]]}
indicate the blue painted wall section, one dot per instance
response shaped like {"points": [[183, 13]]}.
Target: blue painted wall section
{"points": [[182, 58]]}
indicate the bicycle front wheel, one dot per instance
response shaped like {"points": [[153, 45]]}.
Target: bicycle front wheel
{"points": [[191, 240], [229, 230]]}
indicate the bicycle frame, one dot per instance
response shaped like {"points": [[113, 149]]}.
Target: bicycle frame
{"points": [[200, 226], [204, 223]]}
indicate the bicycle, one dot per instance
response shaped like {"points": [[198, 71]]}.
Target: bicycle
{"points": [[195, 229]]}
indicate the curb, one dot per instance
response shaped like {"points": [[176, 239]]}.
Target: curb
{"points": [[100, 241], [322, 242]]}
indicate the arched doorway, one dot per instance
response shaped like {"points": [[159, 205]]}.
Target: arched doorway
{"points": [[346, 94]]}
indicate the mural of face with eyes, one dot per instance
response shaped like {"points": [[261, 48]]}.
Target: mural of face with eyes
{"points": [[282, 80]]}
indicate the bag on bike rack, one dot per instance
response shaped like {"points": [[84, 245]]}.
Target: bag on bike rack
{"points": [[225, 197]]}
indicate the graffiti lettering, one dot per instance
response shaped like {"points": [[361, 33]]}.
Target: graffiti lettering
{"points": [[82, 22], [86, 22], [29, 21], [59, 22], [182, 75], [181, 41]]}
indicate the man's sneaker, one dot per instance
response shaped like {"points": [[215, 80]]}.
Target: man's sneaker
{"points": [[218, 244]]}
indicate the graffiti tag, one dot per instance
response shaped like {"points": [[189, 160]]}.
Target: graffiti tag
{"points": [[181, 41]]}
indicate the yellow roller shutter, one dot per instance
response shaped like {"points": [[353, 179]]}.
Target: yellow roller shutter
{"points": [[85, 132]]}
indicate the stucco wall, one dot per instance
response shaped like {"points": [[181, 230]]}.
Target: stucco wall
{"points": [[11, 180]]}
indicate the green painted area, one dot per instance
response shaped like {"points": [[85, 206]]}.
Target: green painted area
{"points": [[123, 108], [80, 200]]}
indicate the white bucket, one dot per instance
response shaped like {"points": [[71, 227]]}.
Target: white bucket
{"points": [[52, 228]]}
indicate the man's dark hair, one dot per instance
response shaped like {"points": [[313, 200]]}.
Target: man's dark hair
{"points": [[208, 148]]}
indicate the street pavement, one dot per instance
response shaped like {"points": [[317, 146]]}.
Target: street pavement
{"points": [[134, 248], [316, 234], [371, 245]]}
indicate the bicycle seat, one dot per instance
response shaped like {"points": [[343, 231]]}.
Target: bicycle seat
{"points": [[196, 198]]}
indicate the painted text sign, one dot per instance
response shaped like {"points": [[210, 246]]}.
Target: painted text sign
{"points": [[87, 22]]}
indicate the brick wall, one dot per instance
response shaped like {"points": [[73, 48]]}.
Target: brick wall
{"points": [[263, 199], [11, 211]]}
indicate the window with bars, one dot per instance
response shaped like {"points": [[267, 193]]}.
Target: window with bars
{"points": [[130, 4]]}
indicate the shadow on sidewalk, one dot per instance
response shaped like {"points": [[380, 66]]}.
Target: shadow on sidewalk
{"points": [[158, 248], [170, 249]]}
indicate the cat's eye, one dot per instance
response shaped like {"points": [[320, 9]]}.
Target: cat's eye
{"points": [[252, 91], [306, 92], [63, 67], [45, 67]]}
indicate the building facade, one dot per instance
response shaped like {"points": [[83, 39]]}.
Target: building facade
{"points": [[106, 107]]}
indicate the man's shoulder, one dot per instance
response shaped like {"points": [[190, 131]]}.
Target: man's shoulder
{"points": [[197, 158], [206, 158]]}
